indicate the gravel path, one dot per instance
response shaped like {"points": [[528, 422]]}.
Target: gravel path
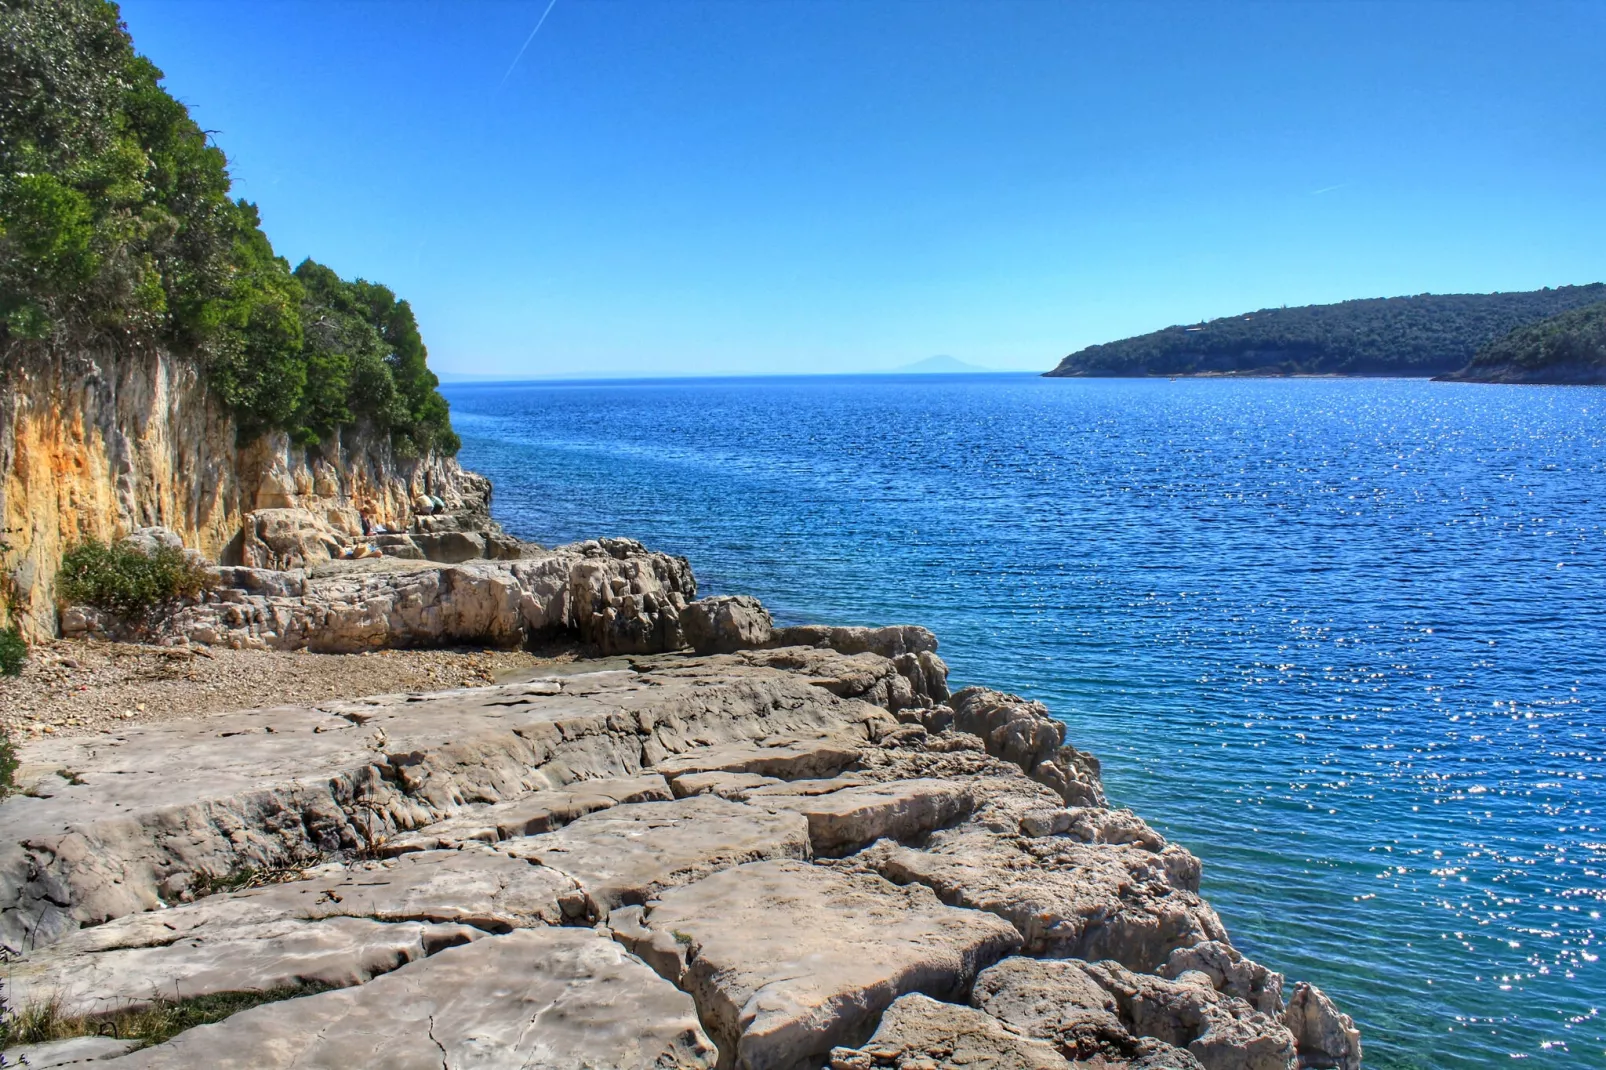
{"points": [[80, 687]]}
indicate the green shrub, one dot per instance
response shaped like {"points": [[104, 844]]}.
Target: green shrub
{"points": [[131, 585], [13, 651], [8, 765]]}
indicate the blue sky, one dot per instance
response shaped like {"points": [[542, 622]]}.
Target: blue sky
{"points": [[734, 187]]}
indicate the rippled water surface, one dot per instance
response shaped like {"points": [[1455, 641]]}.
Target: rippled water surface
{"points": [[1344, 639]]}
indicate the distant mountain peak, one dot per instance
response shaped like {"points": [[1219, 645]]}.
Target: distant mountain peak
{"points": [[942, 364]]}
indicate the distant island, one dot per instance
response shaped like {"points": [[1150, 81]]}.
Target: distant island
{"points": [[940, 365], [1569, 348], [1425, 335]]}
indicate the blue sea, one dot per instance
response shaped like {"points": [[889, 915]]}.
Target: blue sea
{"points": [[1344, 639]]}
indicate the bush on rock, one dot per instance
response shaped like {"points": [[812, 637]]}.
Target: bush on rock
{"points": [[13, 651], [135, 584]]}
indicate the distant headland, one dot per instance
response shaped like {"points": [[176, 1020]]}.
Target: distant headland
{"points": [[1462, 336]]}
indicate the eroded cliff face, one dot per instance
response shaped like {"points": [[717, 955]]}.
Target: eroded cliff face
{"points": [[97, 444]]}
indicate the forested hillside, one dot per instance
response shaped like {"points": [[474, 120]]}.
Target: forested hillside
{"points": [[117, 230], [1430, 334], [1569, 348]]}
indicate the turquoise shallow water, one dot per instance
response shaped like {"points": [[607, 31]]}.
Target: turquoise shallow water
{"points": [[1343, 639]]}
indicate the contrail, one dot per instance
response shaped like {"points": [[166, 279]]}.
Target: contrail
{"points": [[550, 5]]}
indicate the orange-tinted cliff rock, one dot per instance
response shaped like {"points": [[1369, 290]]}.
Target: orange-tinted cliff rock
{"points": [[92, 445]]}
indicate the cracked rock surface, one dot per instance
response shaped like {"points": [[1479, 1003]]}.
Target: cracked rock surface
{"points": [[772, 859], [551, 998], [787, 960]]}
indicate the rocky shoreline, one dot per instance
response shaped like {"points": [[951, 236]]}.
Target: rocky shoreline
{"points": [[729, 845]]}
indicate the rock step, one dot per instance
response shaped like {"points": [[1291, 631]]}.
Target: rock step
{"points": [[536, 999], [687, 809], [338, 927], [144, 816], [635, 853], [540, 811], [787, 960]]}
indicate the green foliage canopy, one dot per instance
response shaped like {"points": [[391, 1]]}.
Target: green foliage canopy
{"points": [[1569, 348], [1424, 335], [116, 225]]}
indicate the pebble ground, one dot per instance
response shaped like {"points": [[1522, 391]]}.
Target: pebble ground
{"points": [[81, 687]]}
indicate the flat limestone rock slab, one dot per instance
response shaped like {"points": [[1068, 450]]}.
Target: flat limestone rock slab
{"points": [[1068, 899], [128, 822], [788, 789], [74, 1051], [918, 1027], [629, 854], [787, 960], [535, 999], [286, 934], [540, 811], [475, 886], [782, 758], [257, 957], [859, 814], [725, 785]]}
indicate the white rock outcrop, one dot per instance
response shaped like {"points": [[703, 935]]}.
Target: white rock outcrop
{"points": [[731, 861]]}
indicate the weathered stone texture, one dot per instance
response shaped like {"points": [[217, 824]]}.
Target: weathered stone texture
{"points": [[630, 867]]}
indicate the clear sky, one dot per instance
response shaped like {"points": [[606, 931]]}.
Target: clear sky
{"points": [[681, 187]]}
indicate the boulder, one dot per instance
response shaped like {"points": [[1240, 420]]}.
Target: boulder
{"points": [[889, 642], [1022, 732], [787, 960], [1093, 824], [500, 547], [919, 1031], [1067, 899], [725, 623], [148, 540], [1222, 1032], [553, 998], [288, 538], [450, 547], [1324, 1036], [866, 676], [1230, 973], [267, 583], [398, 546], [1055, 1001]]}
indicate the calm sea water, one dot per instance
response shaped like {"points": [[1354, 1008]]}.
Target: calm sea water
{"points": [[1343, 639]]}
